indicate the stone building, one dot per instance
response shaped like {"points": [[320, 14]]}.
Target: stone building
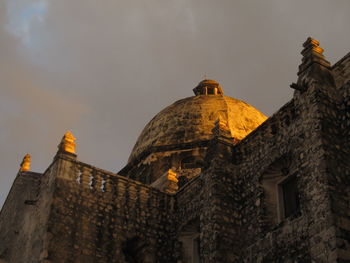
{"points": [[210, 179]]}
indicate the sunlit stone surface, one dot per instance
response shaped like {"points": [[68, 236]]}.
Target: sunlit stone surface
{"points": [[210, 179], [193, 119], [25, 165]]}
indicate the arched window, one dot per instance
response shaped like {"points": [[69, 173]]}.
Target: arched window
{"points": [[288, 196], [281, 198]]}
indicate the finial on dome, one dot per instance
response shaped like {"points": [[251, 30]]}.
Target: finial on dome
{"points": [[67, 143], [25, 164], [208, 87], [312, 53]]}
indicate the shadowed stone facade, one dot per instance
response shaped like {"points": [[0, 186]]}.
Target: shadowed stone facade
{"points": [[210, 179]]}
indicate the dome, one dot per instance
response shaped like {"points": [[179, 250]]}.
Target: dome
{"points": [[193, 119]]}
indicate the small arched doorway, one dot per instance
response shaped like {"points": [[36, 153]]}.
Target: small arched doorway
{"points": [[136, 250]]}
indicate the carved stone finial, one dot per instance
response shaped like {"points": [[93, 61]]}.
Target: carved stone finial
{"points": [[67, 143], [313, 44], [25, 165], [172, 176], [312, 53]]}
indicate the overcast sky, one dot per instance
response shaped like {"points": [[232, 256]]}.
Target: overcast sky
{"points": [[103, 69]]}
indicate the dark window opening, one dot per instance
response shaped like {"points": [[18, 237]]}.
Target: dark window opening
{"points": [[210, 91], [190, 241], [289, 197], [132, 250], [280, 199], [196, 250]]}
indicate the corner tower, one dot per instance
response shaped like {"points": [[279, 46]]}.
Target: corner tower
{"points": [[177, 138]]}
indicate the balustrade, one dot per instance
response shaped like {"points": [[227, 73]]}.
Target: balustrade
{"points": [[126, 192]]}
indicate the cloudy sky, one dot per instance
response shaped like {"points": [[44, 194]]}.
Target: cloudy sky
{"points": [[103, 69]]}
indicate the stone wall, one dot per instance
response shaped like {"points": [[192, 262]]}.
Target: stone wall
{"points": [[24, 217], [16, 218], [335, 133], [99, 216], [341, 70], [310, 134], [238, 214]]}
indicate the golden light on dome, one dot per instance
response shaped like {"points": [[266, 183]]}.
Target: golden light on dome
{"points": [[221, 123], [194, 119]]}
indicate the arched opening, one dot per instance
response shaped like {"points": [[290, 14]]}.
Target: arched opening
{"points": [[281, 198], [136, 250], [190, 240]]}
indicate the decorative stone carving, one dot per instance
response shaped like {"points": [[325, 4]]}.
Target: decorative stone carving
{"points": [[25, 164], [68, 143], [312, 53]]}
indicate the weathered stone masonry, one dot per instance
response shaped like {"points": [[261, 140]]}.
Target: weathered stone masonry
{"points": [[195, 191], [95, 213]]}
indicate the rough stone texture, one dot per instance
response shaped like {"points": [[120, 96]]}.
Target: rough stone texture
{"points": [[94, 213], [24, 217], [17, 226], [153, 163], [183, 130], [193, 118], [341, 70], [227, 204]]}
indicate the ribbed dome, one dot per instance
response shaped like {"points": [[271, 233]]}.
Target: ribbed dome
{"points": [[193, 119]]}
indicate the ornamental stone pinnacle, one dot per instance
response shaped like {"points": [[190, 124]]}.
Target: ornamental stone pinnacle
{"points": [[172, 176], [312, 53], [25, 164], [67, 143]]}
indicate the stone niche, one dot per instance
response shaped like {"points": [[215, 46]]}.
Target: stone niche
{"points": [[190, 243], [281, 198]]}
